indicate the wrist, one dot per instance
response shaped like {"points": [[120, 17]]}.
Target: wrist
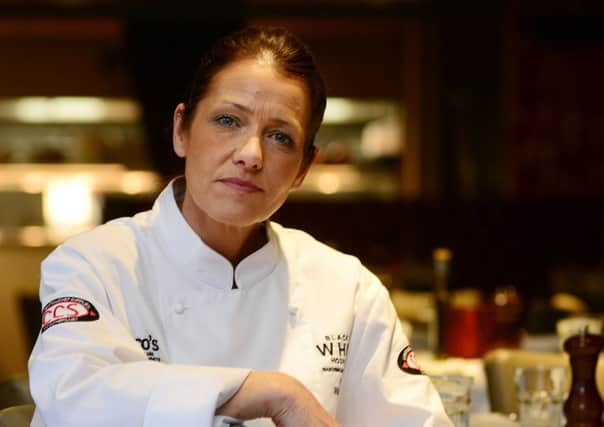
{"points": [[276, 389]]}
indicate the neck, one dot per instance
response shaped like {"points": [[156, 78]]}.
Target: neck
{"points": [[233, 242]]}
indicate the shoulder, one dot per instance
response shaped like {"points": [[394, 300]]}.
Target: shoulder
{"points": [[319, 263], [310, 252], [330, 278], [115, 240]]}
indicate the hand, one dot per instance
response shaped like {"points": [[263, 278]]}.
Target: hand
{"points": [[278, 396]]}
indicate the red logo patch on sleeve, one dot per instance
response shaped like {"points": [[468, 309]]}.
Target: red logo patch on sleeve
{"points": [[407, 362], [68, 309]]}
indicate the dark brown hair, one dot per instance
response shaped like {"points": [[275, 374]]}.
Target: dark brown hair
{"points": [[291, 58]]}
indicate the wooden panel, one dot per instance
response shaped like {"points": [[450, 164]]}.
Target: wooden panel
{"points": [[358, 57], [555, 105], [51, 57]]}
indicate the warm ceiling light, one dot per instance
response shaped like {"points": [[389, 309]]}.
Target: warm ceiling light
{"points": [[69, 110], [136, 182], [69, 206], [328, 183], [350, 110], [32, 236]]}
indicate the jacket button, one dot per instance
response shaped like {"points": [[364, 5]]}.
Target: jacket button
{"points": [[179, 308]]}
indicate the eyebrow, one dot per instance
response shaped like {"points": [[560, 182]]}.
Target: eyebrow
{"points": [[238, 106]]}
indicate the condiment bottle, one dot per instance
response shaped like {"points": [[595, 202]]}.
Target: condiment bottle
{"points": [[583, 408], [507, 306], [442, 264]]}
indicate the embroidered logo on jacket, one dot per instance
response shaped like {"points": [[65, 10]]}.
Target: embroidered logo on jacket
{"points": [[407, 362], [334, 348], [68, 309], [149, 345]]}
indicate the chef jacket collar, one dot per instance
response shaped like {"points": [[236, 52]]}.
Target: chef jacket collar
{"points": [[200, 262]]}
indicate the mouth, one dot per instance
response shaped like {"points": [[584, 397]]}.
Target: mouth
{"points": [[240, 185]]}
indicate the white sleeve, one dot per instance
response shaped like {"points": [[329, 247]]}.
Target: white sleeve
{"points": [[375, 391], [94, 373]]}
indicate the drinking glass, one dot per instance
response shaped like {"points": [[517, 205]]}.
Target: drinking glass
{"points": [[455, 392], [540, 394]]}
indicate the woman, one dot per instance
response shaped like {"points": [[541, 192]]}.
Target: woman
{"points": [[200, 311]]}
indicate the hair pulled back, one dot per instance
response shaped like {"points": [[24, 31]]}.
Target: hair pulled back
{"points": [[289, 55]]}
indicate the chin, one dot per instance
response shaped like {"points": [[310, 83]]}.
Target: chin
{"points": [[239, 219]]}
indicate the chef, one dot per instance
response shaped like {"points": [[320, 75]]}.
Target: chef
{"points": [[202, 312]]}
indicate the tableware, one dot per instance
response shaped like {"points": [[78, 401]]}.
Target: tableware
{"points": [[540, 393], [454, 391]]}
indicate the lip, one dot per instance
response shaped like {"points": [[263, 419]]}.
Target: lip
{"points": [[239, 184]]}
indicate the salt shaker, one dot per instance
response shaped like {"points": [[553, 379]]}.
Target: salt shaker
{"points": [[583, 408]]}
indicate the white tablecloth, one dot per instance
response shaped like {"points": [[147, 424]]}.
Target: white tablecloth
{"points": [[491, 420]]}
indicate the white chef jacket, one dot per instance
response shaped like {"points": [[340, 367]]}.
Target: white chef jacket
{"points": [[142, 327]]}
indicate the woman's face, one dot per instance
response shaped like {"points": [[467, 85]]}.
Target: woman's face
{"points": [[244, 147]]}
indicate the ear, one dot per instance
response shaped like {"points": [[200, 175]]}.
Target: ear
{"points": [[180, 139], [304, 169]]}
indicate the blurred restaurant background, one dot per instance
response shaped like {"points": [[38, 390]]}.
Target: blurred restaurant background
{"points": [[461, 150]]}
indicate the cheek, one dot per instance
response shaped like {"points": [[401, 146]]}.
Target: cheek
{"points": [[196, 172], [284, 174], [199, 158]]}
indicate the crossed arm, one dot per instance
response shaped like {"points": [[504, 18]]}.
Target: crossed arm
{"points": [[277, 396]]}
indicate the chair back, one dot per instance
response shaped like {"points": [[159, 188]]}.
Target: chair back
{"points": [[17, 416], [499, 368], [15, 391], [500, 365]]}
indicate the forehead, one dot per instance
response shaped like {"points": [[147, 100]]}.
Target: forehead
{"points": [[258, 80]]}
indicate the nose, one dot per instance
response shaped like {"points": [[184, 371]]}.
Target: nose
{"points": [[249, 154]]}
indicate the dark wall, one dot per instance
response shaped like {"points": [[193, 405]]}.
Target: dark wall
{"points": [[494, 242], [163, 53]]}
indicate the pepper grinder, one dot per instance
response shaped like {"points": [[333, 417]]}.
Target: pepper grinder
{"points": [[583, 408]]}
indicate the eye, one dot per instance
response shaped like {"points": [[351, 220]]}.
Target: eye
{"points": [[226, 121], [282, 138]]}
